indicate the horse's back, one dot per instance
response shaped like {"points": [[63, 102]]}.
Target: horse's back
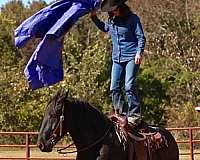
{"points": [[170, 151]]}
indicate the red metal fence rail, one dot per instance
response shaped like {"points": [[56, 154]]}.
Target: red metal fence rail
{"points": [[28, 146], [190, 140]]}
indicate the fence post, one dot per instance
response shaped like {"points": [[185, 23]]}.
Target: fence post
{"points": [[27, 146], [191, 144]]}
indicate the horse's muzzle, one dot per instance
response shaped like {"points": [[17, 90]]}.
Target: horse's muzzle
{"points": [[40, 146], [44, 148]]}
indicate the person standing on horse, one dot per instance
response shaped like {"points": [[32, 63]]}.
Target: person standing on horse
{"points": [[128, 42]]}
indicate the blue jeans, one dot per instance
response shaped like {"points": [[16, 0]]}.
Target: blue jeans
{"points": [[126, 73]]}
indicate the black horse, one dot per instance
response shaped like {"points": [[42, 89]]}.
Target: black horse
{"points": [[94, 134]]}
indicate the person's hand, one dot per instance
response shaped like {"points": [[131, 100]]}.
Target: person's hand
{"points": [[138, 59], [93, 13]]}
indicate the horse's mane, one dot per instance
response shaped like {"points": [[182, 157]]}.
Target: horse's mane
{"points": [[80, 107], [85, 106], [61, 93], [88, 120]]}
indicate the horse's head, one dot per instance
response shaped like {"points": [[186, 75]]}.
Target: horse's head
{"points": [[52, 128]]}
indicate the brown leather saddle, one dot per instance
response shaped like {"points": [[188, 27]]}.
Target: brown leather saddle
{"points": [[138, 140]]}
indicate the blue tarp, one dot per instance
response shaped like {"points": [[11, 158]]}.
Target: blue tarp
{"points": [[51, 23]]}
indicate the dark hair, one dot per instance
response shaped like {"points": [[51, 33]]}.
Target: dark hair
{"points": [[124, 12]]}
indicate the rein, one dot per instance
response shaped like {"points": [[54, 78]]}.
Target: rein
{"points": [[60, 151], [59, 128], [60, 124]]}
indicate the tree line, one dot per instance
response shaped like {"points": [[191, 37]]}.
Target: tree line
{"points": [[168, 82]]}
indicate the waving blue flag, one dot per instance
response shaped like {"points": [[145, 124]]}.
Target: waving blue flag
{"points": [[51, 23]]}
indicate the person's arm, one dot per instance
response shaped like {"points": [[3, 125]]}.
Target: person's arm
{"points": [[141, 41], [101, 25]]}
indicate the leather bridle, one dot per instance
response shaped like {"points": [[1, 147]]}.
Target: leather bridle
{"points": [[59, 130]]}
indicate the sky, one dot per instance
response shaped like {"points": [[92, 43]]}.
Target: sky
{"points": [[25, 1]]}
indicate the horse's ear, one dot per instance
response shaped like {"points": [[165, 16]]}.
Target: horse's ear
{"points": [[62, 93]]}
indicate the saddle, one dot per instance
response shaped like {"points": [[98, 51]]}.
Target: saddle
{"points": [[138, 140]]}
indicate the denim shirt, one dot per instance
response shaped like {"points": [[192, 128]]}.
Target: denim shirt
{"points": [[127, 37]]}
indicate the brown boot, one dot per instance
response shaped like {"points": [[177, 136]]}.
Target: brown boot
{"points": [[119, 119]]}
